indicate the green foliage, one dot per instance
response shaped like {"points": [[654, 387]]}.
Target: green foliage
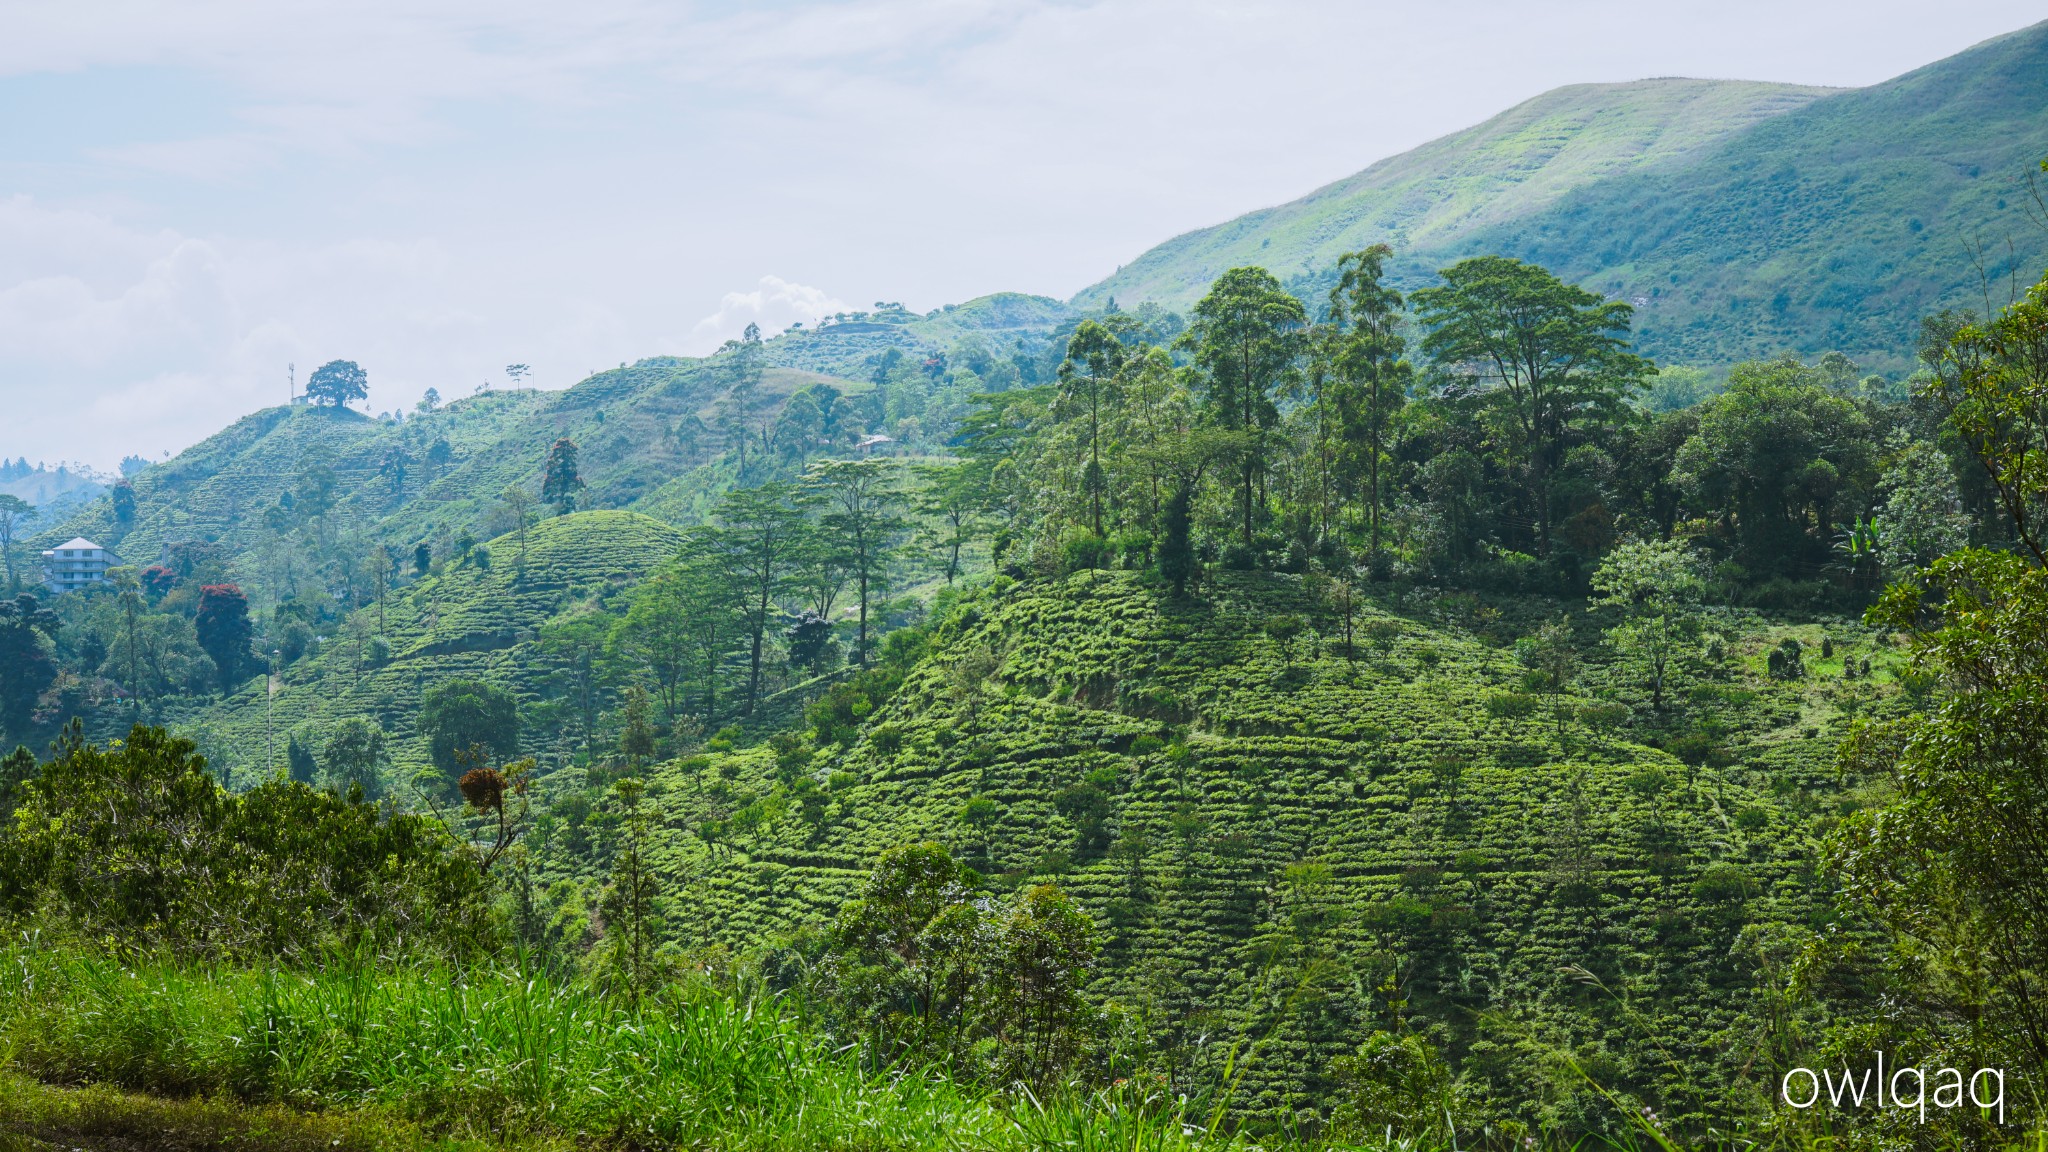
{"points": [[338, 383], [460, 715], [1950, 862], [138, 843]]}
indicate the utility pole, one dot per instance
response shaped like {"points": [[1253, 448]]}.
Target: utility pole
{"points": [[269, 695], [291, 384]]}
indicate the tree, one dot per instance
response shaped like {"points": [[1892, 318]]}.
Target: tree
{"points": [[1095, 357], [354, 757], [657, 634], [123, 497], [1552, 357], [1957, 862], [575, 642], [128, 594], [1247, 336], [759, 537], [953, 499], [14, 513], [457, 715], [1922, 516], [559, 482], [1367, 360], [982, 814], [861, 523], [338, 383], [517, 505], [632, 910], [1046, 946], [1654, 583], [28, 632], [636, 730], [224, 630], [1782, 460], [1991, 384]]}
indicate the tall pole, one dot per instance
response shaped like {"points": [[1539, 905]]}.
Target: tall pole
{"points": [[291, 384], [269, 695]]}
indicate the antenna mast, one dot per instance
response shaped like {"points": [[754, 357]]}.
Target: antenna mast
{"points": [[291, 384]]}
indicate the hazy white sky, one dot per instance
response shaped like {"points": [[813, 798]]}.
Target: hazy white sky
{"points": [[193, 195]]}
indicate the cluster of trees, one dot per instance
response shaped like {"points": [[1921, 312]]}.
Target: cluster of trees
{"points": [[174, 629], [1494, 430]]}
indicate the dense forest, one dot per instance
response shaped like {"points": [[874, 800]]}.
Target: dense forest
{"points": [[1369, 716]]}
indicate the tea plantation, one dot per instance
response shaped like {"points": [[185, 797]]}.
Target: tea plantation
{"points": [[468, 621], [1287, 847]]}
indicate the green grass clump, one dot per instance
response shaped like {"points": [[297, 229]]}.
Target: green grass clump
{"points": [[499, 1054]]}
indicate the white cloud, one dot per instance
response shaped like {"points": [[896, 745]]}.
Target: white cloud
{"points": [[775, 304], [437, 188]]}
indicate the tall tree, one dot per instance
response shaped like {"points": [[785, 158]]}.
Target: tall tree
{"points": [[1247, 336], [656, 633], [1095, 358], [224, 630], [1991, 383], [952, 498], [1655, 583], [1552, 357], [860, 501], [1367, 358], [338, 383], [28, 633], [760, 537], [14, 513], [560, 481]]}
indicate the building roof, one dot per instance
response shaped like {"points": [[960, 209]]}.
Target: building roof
{"points": [[77, 542]]}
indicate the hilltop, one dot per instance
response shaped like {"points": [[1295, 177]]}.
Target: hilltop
{"points": [[1741, 219]]}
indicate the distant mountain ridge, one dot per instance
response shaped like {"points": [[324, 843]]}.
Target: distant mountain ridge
{"points": [[1742, 219]]}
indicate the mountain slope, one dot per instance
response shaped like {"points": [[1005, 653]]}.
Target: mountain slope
{"points": [[1756, 219], [1438, 838], [1835, 226], [465, 621], [1512, 165]]}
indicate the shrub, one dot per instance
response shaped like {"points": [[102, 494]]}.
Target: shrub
{"points": [[1511, 705]]}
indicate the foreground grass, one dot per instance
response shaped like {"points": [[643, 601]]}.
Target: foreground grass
{"points": [[430, 1058], [35, 1117]]}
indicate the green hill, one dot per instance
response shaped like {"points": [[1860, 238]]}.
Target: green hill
{"points": [[1433, 197], [1395, 836], [464, 622], [1837, 225], [1742, 219]]}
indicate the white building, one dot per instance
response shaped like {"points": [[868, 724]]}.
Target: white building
{"points": [[75, 564]]}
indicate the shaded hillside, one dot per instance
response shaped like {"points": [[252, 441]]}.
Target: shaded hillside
{"points": [[1742, 220], [1835, 226], [1432, 198], [1253, 820]]}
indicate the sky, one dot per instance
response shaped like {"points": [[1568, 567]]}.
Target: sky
{"points": [[195, 196]]}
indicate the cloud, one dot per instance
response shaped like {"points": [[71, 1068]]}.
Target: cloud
{"points": [[193, 196], [775, 304]]}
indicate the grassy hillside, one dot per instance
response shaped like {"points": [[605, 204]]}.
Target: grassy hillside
{"points": [[843, 348], [1837, 225], [465, 621], [1295, 848], [1741, 219], [1433, 197]]}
